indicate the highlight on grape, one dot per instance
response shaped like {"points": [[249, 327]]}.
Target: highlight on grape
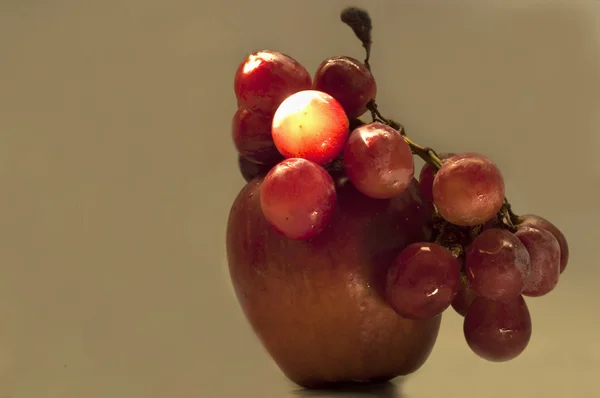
{"points": [[303, 136]]}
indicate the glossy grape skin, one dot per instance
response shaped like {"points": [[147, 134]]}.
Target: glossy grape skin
{"points": [[348, 81], [251, 133], [539, 222], [422, 281], [250, 170], [378, 161], [311, 125], [298, 198], [468, 189], [544, 254], [497, 331], [464, 297], [265, 78], [497, 264], [427, 175]]}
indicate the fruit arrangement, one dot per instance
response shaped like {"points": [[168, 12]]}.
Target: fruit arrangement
{"points": [[343, 261]]}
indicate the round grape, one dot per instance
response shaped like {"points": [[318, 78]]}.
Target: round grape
{"points": [[311, 125], [378, 161], [422, 281], [251, 133], [494, 222], [497, 264], [464, 297], [265, 78], [298, 198], [539, 222], [348, 81], [544, 253], [251, 170], [468, 189], [497, 331], [427, 175]]}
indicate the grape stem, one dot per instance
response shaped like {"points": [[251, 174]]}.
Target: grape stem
{"points": [[450, 236], [513, 217], [360, 22], [378, 117], [425, 153], [510, 218]]}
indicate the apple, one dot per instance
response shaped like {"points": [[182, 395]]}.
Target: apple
{"points": [[326, 240], [317, 305]]}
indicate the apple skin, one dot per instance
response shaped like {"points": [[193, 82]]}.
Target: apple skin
{"points": [[317, 306]]}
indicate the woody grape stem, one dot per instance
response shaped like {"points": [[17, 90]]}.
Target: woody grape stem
{"points": [[362, 26]]}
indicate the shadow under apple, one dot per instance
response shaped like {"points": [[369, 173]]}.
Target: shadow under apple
{"points": [[386, 389]]}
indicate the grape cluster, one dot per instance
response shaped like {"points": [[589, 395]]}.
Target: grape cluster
{"points": [[296, 131]]}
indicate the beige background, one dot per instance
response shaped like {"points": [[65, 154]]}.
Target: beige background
{"points": [[117, 172]]}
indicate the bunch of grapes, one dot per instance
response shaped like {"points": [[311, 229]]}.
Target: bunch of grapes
{"points": [[302, 133]]}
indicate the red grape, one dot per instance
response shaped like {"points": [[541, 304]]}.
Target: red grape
{"points": [[311, 125], [497, 264], [251, 133], [544, 252], [494, 222], [265, 78], [468, 189], [539, 222], [378, 161], [427, 175], [498, 331], [348, 81], [464, 297], [251, 170], [298, 198], [422, 281]]}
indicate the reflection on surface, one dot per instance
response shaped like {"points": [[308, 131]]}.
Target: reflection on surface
{"points": [[377, 390]]}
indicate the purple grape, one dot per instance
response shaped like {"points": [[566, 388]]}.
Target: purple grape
{"points": [[464, 298], [497, 264], [544, 253], [251, 170], [539, 222], [497, 331], [422, 281], [348, 81]]}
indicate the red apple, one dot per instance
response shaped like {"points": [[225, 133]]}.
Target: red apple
{"points": [[317, 306]]}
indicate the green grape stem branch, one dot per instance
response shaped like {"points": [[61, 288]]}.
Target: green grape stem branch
{"points": [[452, 236]]}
